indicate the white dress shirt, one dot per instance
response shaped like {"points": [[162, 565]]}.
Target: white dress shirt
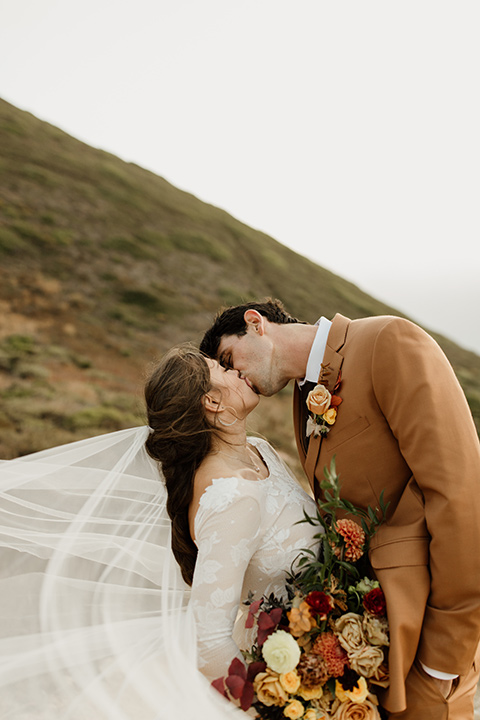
{"points": [[317, 352]]}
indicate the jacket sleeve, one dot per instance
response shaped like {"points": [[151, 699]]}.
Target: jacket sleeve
{"points": [[427, 412]]}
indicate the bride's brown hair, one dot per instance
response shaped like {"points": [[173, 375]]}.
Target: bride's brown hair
{"points": [[181, 438]]}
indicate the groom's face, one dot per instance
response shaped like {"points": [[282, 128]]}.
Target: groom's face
{"points": [[253, 355]]}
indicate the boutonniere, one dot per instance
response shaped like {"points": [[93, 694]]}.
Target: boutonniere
{"points": [[322, 406]]}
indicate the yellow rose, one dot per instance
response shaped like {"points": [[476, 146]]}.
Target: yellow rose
{"points": [[290, 682], [356, 711], [281, 652], [268, 689], [358, 694], [318, 400], [310, 715], [294, 710], [330, 416], [313, 693]]}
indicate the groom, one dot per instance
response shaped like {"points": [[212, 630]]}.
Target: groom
{"points": [[403, 426]]}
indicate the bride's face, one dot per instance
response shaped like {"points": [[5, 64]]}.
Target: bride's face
{"points": [[235, 391]]}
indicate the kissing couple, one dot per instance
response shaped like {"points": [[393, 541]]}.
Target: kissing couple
{"points": [[97, 621]]}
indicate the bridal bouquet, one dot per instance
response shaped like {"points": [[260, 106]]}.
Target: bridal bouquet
{"points": [[322, 649]]}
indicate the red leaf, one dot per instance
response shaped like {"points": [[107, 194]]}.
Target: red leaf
{"points": [[255, 668], [237, 668], [265, 622], [253, 609], [235, 684], [276, 615], [263, 635], [247, 696], [219, 684]]}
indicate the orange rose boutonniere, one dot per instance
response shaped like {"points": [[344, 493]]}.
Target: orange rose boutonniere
{"points": [[323, 410]]}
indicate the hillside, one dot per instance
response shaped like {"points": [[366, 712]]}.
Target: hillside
{"points": [[104, 265]]}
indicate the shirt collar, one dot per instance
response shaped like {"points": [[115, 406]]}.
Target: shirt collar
{"points": [[317, 352]]}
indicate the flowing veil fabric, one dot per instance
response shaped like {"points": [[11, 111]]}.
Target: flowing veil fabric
{"points": [[94, 616]]}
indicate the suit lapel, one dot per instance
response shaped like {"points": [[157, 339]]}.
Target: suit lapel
{"points": [[330, 371]]}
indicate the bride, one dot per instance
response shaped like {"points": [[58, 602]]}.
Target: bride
{"points": [[97, 619]]}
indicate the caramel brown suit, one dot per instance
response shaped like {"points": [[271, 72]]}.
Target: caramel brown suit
{"points": [[404, 427]]}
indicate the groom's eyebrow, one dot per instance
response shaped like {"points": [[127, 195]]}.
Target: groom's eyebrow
{"points": [[225, 359]]}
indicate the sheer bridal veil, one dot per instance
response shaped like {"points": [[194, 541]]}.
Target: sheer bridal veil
{"points": [[94, 615]]}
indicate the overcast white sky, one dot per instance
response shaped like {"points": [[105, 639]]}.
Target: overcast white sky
{"points": [[347, 130]]}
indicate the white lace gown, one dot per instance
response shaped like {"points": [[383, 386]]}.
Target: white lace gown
{"points": [[96, 622], [248, 535]]}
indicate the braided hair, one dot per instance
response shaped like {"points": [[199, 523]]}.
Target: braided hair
{"points": [[181, 438]]}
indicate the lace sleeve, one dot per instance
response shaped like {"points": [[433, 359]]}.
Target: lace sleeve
{"points": [[227, 529]]}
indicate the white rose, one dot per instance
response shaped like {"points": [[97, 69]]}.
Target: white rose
{"points": [[281, 652]]}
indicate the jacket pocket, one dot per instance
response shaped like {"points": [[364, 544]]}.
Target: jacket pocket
{"points": [[401, 553], [348, 432]]}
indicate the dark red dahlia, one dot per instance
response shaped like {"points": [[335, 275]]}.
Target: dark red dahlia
{"points": [[374, 602], [319, 602]]}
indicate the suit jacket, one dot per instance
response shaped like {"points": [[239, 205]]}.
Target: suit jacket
{"points": [[404, 426]]}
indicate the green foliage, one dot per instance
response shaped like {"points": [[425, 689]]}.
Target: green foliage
{"points": [[232, 296], [10, 242], [329, 564], [155, 239], [104, 418], [129, 246], [143, 299], [200, 244]]}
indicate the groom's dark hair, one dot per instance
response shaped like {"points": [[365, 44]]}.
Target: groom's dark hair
{"points": [[231, 321]]}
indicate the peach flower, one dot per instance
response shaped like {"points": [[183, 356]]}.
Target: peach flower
{"points": [[356, 711], [350, 632], [318, 400], [358, 694], [313, 693], [366, 661], [294, 710], [268, 688], [300, 619], [290, 682], [330, 415]]}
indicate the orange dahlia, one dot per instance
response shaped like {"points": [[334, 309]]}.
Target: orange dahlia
{"points": [[334, 655], [354, 539]]}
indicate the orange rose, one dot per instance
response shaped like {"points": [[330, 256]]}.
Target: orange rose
{"points": [[318, 400]]}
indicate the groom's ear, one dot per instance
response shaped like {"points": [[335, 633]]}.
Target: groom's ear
{"points": [[255, 321]]}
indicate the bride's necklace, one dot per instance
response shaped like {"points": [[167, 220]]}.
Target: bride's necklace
{"points": [[236, 457]]}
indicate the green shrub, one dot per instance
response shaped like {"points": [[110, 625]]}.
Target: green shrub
{"points": [[200, 244], [155, 239], [144, 300], [128, 245], [10, 242], [106, 418]]}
